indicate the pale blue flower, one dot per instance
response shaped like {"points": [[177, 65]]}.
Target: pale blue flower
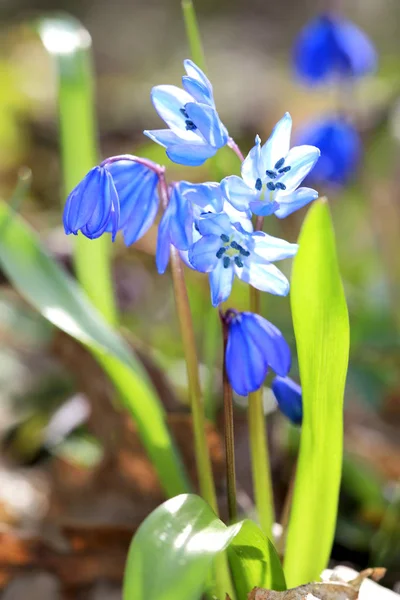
{"points": [[271, 175], [226, 249], [195, 130]]}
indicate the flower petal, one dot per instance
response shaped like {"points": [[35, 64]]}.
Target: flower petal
{"points": [[270, 341], [270, 248], [214, 224], [197, 90], [81, 202], [358, 48], [289, 203], [289, 398], [163, 244], [165, 137], [191, 155], [130, 179], [168, 100], [194, 72], [252, 168], [264, 277], [181, 219], [277, 146], [208, 123], [301, 159], [221, 281], [206, 195], [203, 254], [238, 193], [315, 51], [263, 209]]}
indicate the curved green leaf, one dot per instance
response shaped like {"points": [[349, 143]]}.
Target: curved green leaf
{"points": [[321, 327], [57, 297], [254, 561], [172, 552]]}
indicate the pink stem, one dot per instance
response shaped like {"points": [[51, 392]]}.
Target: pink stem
{"points": [[137, 159], [233, 145]]}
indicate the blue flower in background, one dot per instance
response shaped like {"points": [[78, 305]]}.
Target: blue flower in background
{"points": [[340, 146], [288, 395], [331, 46], [93, 206], [119, 195], [271, 175], [195, 130], [226, 249], [254, 345]]}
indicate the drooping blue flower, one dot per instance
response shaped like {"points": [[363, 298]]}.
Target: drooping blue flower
{"points": [[271, 175], [289, 398], [118, 195], [195, 130], [226, 249], [332, 47], [254, 345], [340, 146]]}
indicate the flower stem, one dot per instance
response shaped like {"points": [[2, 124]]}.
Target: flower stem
{"points": [[229, 432], [233, 146], [193, 33], [204, 470], [258, 439]]}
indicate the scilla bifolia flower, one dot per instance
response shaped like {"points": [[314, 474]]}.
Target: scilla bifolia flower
{"points": [[340, 146], [331, 47], [254, 345], [271, 175], [226, 249], [118, 195], [195, 130], [289, 398]]}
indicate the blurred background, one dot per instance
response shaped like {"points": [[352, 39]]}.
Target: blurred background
{"points": [[73, 476]]}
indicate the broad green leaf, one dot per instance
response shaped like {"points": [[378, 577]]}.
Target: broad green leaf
{"points": [[172, 552], [321, 327], [254, 561], [69, 44], [58, 298]]}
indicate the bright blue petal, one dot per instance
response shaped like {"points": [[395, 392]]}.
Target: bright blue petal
{"points": [[289, 398], [163, 244], [269, 340], [245, 361], [252, 168], [357, 47], [191, 155], [181, 219], [206, 195], [208, 123], [264, 277], [164, 137], [130, 178], [143, 212], [270, 248], [238, 193], [195, 73], [315, 51], [203, 254], [221, 281], [214, 224], [340, 147], [302, 160], [289, 203], [168, 100], [263, 208], [197, 90], [278, 144]]}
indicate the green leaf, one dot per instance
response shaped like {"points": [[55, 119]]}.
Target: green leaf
{"points": [[321, 327], [254, 561], [69, 44], [172, 552], [58, 298]]}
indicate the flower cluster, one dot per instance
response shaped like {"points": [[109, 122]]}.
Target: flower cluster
{"points": [[331, 49], [210, 223]]}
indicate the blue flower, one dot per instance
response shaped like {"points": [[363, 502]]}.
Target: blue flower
{"points": [[119, 195], [340, 146], [271, 175], [330, 47], [226, 249], [195, 130], [254, 345], [288, 395], [93, 206]]}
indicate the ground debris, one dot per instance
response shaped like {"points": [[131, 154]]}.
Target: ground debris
{"points": [[330, 590]]}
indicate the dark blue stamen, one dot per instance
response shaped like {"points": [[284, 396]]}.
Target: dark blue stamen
{"points": [[280, 186], [271, 174], [190, 126], [183, 111], [258, 184], [271, 186], [280, 163], [235, 245], [244, 252], [238, 261], [285, 169], [227, 262], [220, 252], [224, 237]]}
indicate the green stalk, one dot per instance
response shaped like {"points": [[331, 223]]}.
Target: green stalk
{"points": [[260, 462], [193, 34], [70, 44]]}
